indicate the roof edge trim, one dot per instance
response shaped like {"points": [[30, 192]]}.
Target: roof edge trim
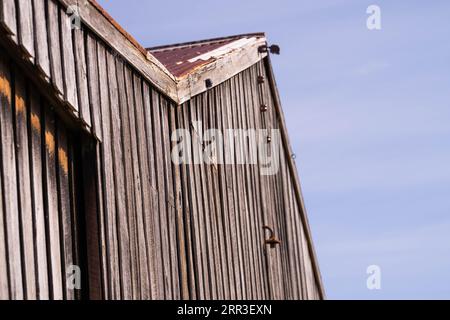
{"points": [[181, 89], [105, 27]]}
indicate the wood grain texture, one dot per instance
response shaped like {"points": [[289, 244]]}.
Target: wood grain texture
{"points": [[41, 38], [108, 178], [170, 200], [4, 286], [10, 200], [145, 224], [36, 142], [81, 75], [62, 160], [8, 17], [152, 213], [203, 275], [26, 28], [68, 59], [149, 67], [126, 166], [162, 204], [54, 40], [5, 99], [161, 229], [188, 202], [179, 219], [123, 232], [24, 184], [51, 203], [92, 64], [103, 225]]}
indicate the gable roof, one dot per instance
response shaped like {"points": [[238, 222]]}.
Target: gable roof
{"points": [[193, 64], [183, 58], [160, 65]]}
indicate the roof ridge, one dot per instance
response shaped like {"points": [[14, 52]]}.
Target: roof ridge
{"points": [[205, 41]]}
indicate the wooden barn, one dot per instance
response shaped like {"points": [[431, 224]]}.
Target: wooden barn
{"points": [[92, 204]]}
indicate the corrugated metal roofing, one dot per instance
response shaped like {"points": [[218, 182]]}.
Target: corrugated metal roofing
{"points": [[180, 59]]}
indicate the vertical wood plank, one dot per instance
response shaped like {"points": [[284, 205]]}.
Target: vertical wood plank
{"points": [[62, 169], [24, 184], [186, 188], [276, 252], [108, 177], [5, 98], [179, 221], [103, 227], [226, 106], [299, 245], [91, 218], [254, 115], [157, 140], [8, 17], [152, 214], [81, 73], [265, 202], [212, 259], [217, 213], [119, 180], [11, 206], [26, 30], [138, 223], [51, 202], [4, 287], [241, 283], [291, 241], [53, 32], [251, 230], [199, 206], [78, 234], [223, 193], [41, 39], [129, 185], [36, 124], [253, 180], [145, 225], [310, 281], [93, 85], [242, 199], [170, 200], [70, 85]]}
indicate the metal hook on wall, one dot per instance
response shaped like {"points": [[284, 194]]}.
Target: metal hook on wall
{"points": [[272, 241]]}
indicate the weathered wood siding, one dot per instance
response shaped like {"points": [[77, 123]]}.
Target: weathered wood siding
{"points": [[162, 231], [37, 210]]}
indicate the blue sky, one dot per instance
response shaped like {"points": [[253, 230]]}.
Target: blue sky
{"points": [[368, 114]]}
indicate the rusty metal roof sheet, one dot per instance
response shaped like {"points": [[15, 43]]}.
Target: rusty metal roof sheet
{"points": [[183, 58]]}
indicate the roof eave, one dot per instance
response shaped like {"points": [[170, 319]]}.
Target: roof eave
{"points": [[219, 69]]}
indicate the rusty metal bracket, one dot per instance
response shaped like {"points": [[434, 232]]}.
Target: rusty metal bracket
{"points": [[274, 49], [261, 79], [272, 241]]}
